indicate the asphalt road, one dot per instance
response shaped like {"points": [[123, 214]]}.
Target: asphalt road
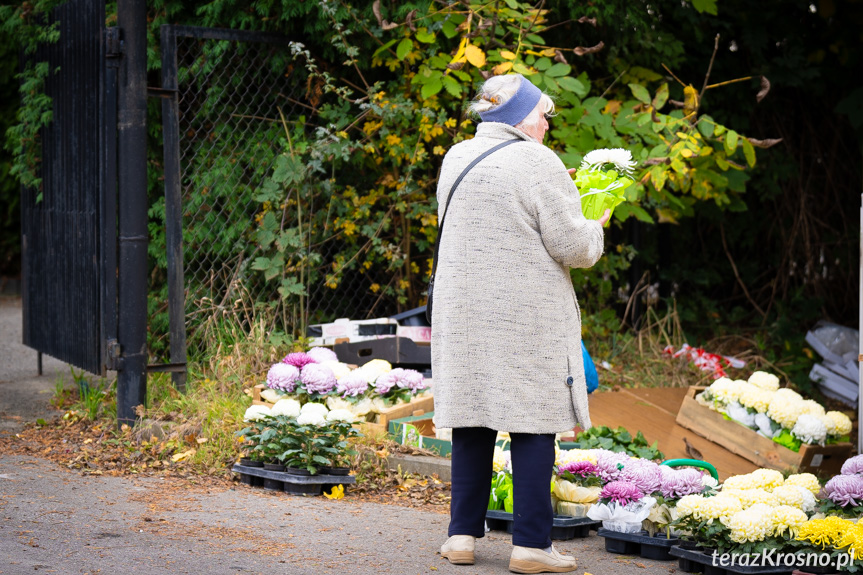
{"points": [[56, 520]]}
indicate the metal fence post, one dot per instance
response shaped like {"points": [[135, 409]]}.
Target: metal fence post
{"points": [[133, 233]]}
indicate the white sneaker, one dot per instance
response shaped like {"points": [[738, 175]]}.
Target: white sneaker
{"points": [[459, 549], [532, 560]]}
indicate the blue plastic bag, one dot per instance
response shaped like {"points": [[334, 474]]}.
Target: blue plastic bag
{"points": [[589, 370]]}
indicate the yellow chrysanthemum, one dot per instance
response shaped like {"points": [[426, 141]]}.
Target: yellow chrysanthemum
{"points": [[812, 407], [750, 525], [725, 390], [806, 480], [767, 479], [738, 482], [789, 394], [784, 410], [570, 455], [750, 497], [788, 495], [787, 518], [764, 380], [826, 532], [853, 539], [720, 507], [499, 461], [689, 505], [843, 424], [756, 398]]}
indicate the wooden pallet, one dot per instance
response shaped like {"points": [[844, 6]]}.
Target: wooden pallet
{"points": [[824, 461]]}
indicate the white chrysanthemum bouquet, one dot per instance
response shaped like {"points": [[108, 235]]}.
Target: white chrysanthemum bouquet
{"points": [[601, 179]]}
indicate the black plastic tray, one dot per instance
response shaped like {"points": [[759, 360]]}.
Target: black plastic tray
{"points": [[288, 482], [563, 526], [695, 561], [641, 543]]}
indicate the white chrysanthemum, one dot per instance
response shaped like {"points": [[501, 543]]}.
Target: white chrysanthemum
{"points": [[271, 395], [750, 525], [256, 412], [622, 159], [362, 407], [810, 429], [314, 408], [336, 402], [764, 380], [338, 368], [790, 495], [709, 481], [376, 367], [689, 505], [756, 398], [750, 497], [788, 394], [571, 455], [843, 424], [765, 424], [315, 418], [341, 415], [719, 507], [784, 411], [807, 480], [287, 407], [767, 479], [787, 518], [812, 407]]}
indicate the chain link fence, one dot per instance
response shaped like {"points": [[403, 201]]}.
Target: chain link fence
{"points": [[232, 98]]}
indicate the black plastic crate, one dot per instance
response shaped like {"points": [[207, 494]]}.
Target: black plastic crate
{"points": [[695, 560], [650, 547], [288, 482], [563, 526]]}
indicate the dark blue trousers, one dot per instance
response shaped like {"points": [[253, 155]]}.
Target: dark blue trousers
{"points": [[532, 462]]}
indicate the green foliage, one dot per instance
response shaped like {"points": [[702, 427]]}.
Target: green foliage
{"points": [[619, 440]]}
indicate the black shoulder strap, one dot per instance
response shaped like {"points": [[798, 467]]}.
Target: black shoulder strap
{"points": [[452, 191]]}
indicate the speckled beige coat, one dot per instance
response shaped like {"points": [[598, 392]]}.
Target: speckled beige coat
{"points": [[506, 327]]}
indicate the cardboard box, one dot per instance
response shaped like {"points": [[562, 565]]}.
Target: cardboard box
{"points": [[737, 438]]}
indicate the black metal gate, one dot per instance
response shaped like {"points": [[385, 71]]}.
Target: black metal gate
{"points": [[67, 229]]}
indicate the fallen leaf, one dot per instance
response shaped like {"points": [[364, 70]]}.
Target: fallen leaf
{"points": [[178, 457]]}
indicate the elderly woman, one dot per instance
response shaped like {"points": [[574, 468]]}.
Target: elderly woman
{"points": [[506, 337]]}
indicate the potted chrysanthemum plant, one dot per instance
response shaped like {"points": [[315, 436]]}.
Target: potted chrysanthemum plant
{"points": [[601, 179], [577, 486]]}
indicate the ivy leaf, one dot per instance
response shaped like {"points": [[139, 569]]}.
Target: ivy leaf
{"points": [[559, 69], [403, 48], [431, 88], [640, 92]]}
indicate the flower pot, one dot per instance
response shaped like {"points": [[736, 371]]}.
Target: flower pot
{"points": [[247, 479], [273, 485], [297, 470], [303, 488], [334, 470], [246, 462], [274, 467]]}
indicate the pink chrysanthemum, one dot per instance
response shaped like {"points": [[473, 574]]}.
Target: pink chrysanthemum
{"points": [[609, 464], [283, 377], [676, 483], [622, 492], [642, 473], [579, 468], [318, 378], [844, 490], [853, 465], [353, 384], [299, 359], [402, 378]]}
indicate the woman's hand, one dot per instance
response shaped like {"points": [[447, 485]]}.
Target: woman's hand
{"points": [[605, 217]]}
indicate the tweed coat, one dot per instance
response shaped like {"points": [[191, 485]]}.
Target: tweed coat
{"points": [[506, 327]]}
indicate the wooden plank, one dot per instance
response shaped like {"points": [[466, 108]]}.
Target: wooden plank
{"points": [[667, 399]]}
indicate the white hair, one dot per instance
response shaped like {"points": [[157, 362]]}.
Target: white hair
{"points": [[499, 89]]}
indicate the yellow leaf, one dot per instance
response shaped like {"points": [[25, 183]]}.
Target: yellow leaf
{"points": [[502, 68], [550, 52], [507, 55], [686, 153], [337, 492], [612, 107], [475, 55], [178, 457], [202, 440]]}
